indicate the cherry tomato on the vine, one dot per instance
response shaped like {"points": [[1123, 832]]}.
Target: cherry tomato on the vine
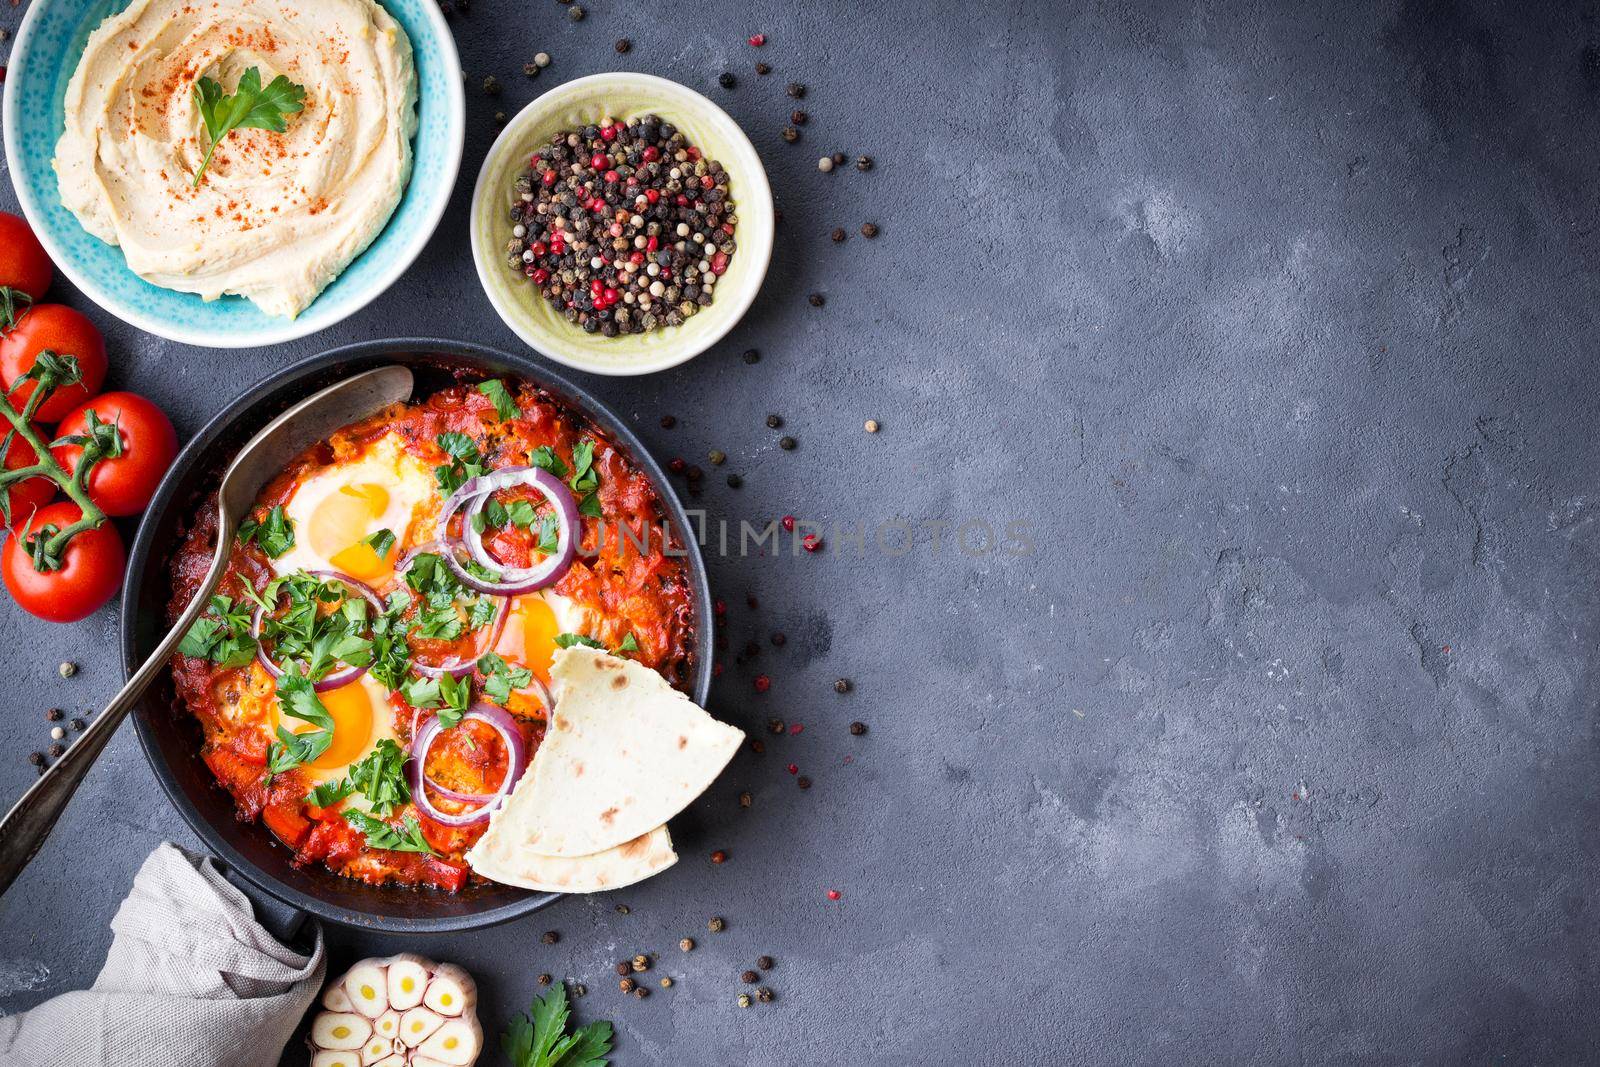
{"points": [[34, 493], [89, 575], [23, 263], [124, 484], [57, 328]]}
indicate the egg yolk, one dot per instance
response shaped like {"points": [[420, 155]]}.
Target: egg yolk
{"points": [[338, 523], [529, 639], [350, 707]]}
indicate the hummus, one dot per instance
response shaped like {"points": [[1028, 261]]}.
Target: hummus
{"points": [[276, 216]]}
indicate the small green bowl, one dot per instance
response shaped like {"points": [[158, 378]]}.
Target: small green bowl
{"points": [[621, 96]]}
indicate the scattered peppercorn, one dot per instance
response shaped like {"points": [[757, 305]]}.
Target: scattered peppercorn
{"points": [[787, 443], [796, 728], [793, 768], [788, 522], [727, 80], [575, 13], [779, 639], [36, 758], [641, 992], [803, 782], [858, 728], [500, 118], [757, 745], [544, 979], [775, 726], [717, 457], [580, 990], [869, 230], [668, 422], [719, 856], [716, 924], [641, 962], [622, 909], [687, 944], [68, 669], [790, 134], [838, 159], [762, 68], [550, 937], [56, 749], [676, 465], [796, 90], [817, 300], [749, 978], [745, 799], [751, 357], [764, 995], [863, 163], [756, 40], [626, 985], [871, 426], [824, 164], [764, 963], [542, 59], [798, 117], [842, 685], [763, 683], [54, 714], [744, 1000], [734, 481], [695, 474], [623, 967], [834, 894], [624, 46], [491, 86], [838, 234], [531, 69], [57, 732], [79, 725]]}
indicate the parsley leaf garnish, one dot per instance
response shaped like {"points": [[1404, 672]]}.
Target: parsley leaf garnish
{"points": [[496, 390], [465, 462], [380, 778], [297, 698], [380, 542], [501, 677], [451, 695], [275, 536], [544, 457], [222, 635], [404, 838], [568, 640], [629, 643], [585, 479], [327, 794], [540, 1038], [249, 108]]}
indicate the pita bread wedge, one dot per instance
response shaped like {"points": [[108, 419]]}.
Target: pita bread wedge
{"points": [[624, 752], [500, 855]]}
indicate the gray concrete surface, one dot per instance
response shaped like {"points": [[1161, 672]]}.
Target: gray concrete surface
{"points": [[1276, 323]]}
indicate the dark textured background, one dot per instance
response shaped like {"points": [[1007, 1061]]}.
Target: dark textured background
{"points": [[1276, 322]]}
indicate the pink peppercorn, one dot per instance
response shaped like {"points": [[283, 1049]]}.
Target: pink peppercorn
{"points": [[763, 683]]}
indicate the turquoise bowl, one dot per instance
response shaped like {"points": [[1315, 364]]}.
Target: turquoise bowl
{"points": [[43, 58]]}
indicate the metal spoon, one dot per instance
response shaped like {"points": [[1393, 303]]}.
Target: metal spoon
{"points": [[29, 822]]}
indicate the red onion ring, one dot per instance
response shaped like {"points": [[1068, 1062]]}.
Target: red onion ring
{"points": [[516, 762], [404, 562], [458, 797], [460, 668], [516, 580], [337, 678]]}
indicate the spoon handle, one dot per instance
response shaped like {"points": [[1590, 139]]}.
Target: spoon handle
{"points": [[26, 826]]}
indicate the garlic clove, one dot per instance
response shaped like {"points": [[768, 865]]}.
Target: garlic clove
{"points": [[452, 991], [457, 1042], [368, 989], [336, 1058], [334, 998], [377, 1049], [408, 978], [340, 1030], [387, 1025], [418, 1024]]}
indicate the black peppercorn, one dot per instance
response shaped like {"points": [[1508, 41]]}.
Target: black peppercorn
{"points": [[56, 749], [55, 714], [726, 80], [716, 924], [751, 357], [858, 728], [764, 963], [734, 481], [641, 992], [838, 234], [774, 726], [774, 421], [803, 782], [749, 978], [779, 640], [545, 979], [36, 758], [863, 163], [790, 134], [764, 995], [745, 799], [762, 68], [626, 985], [668, 422], [624, 968], [624, 46], [758, 746], [868, 230], [550, 937], [838, 159], [817, 300], [842, 685], [787, 443], [575, 13], [798, 117], [796, 90]]}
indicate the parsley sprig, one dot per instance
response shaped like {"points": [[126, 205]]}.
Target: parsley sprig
{"points": [[298, 698], [540, 1038], [407, 837], [251, 107], [222, 634]]}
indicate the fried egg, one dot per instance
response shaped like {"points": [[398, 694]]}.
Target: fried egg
{"points": [[335, 508], [529, 637], [362, 716]]}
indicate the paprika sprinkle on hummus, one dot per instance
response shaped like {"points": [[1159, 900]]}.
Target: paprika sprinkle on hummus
{"points": [[273, 207]]}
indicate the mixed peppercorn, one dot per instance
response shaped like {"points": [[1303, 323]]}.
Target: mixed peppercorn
{"points": [[623, 227]]}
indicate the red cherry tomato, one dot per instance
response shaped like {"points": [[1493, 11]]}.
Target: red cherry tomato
{"points": [[122, 485], [90, 574], [23, 264], [34, 493], [65, 332]]}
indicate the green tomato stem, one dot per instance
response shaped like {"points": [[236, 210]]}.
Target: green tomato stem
{"points": [[74, 485]]}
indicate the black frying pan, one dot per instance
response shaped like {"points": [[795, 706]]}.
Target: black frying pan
{"points": [[170, 735]]}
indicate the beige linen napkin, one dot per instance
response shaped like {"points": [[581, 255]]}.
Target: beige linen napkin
{"points": [[192, 980]]}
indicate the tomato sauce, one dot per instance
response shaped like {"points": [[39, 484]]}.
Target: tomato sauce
{"points": [[635, 585]]}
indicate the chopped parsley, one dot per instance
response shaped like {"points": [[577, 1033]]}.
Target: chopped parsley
{"points": [[275, 535], [496, 391], [568, 640], [465, 462], [451, 695], [222, 635], [544, 457], [404, 838], [380, 542], [327, 794], [540, 1038], [500, 677], [297, 698], [303, 631]]}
